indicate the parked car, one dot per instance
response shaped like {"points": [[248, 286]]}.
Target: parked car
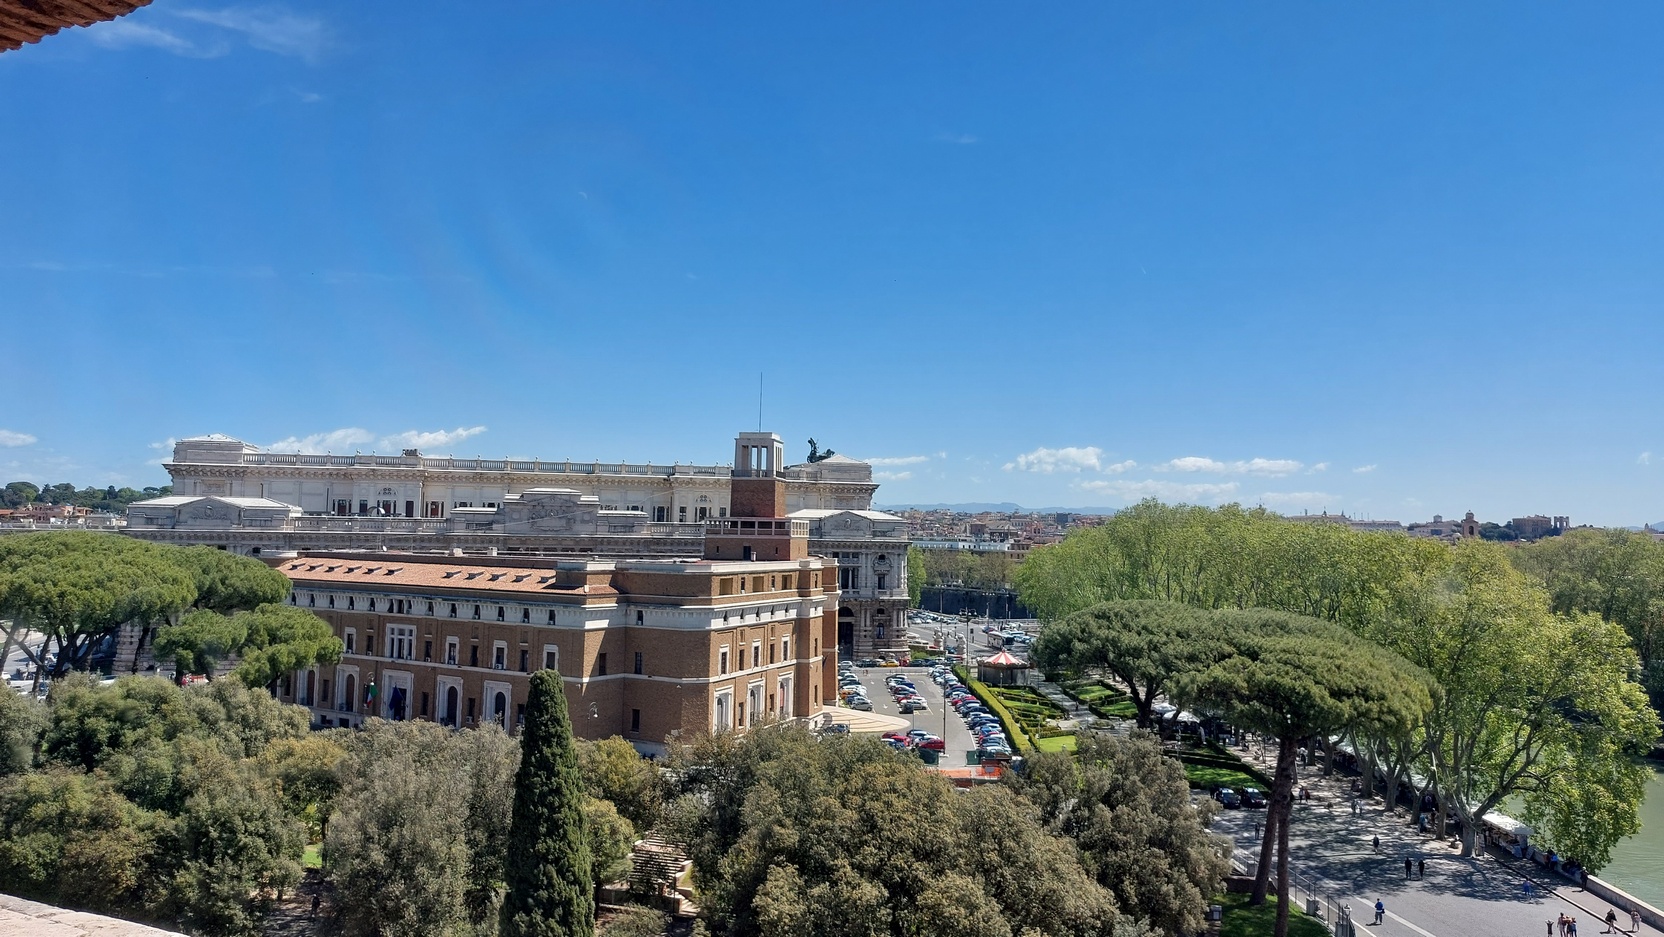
{"points": [[898, 746], [914, 706], [1228, 798], [898, 736], [836, 728], [859, 702], [1253, 797], [932, 744]]}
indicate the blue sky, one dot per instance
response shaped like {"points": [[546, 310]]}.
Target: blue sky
{"points": [[1392, 261]]}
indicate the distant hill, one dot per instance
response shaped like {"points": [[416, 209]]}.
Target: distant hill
{"points": [[1003, 507]]}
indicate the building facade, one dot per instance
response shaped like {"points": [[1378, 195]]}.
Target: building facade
{"points": [[223, 489], [650, 649]]}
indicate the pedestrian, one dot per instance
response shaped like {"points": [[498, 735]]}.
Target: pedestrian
{"points": [[1421, 868], [1611, 922], [1406, 866], [1571, 927], [1635, 920], [1375, 843], [315, 900], [1380, 910]]}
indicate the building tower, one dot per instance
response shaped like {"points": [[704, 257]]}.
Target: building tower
{"points": [[1470, 527]]}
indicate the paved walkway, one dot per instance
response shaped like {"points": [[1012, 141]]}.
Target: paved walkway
{"points": [[1483, 896]]}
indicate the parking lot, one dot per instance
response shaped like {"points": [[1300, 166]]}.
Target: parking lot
{"points": [[952, 728]]}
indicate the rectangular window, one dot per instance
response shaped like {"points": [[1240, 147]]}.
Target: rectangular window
{"points": [[500, 611], [771, 653], [453, 609], [499, 656], [638, 662], [450, 651], [551, 616], [786, 648], [351, 637], [551, 657], [363, 506], [635, 720], [661, 514], [881, 582], [682, 514], [424, 704], [473, 655], [600, 665], [525, 661], [476, 613], [721, 660], [525, 616], [756, 653]]}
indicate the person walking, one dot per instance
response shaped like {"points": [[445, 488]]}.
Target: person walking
{"points": [[1406, 867], [1380, 910], [1375, 843], [1421, 868], [1634, 920], [1611, 921], [1571, 927]]}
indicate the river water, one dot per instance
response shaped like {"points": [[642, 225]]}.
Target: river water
{"points": [[1637, 864]]}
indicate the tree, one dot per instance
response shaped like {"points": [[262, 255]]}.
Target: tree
{"points": [[226, 582], [1292, 677], [1141, 644], [17, 494], [281, 639], [79, 587], [397, 849], [610, 839], [614, 771], [200, 641], [1128, 807], [917, 573], [793, 835], [550, 882], [22, 720]]}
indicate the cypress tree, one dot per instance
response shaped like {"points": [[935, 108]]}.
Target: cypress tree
{"points": [[551, 891]]}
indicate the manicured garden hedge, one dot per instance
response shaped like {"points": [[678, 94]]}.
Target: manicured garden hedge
{"points": [[1014, 729]]}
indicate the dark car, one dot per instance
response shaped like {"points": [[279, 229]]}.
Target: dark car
{"points": [[1228, 798], [1253, 797]]}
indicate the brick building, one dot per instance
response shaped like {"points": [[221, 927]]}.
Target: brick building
{"points": [[649, 649]]}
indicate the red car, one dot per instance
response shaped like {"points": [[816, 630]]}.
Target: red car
{"points": [[933, 743], [895, 737]]}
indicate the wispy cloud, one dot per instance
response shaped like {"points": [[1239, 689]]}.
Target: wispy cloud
{"points": [[1165, 490], [1068, 459], [269, 28], [12, 438], [165, 447], [125, 34], [1266, 467], [201, 33], [892, 476], [960, 139], [898, 460], [1364, 469], [354, 437], [1644, 458], [1116, 468], [1319, 467]]}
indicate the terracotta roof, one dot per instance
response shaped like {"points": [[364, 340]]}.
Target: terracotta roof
{"points": [[390, 573], [24, 21]]}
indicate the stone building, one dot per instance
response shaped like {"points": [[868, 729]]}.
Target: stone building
{"points": [[650, 648], [224, 490]]}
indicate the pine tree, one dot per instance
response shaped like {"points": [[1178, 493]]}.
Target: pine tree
{"points": [[551, 891]]}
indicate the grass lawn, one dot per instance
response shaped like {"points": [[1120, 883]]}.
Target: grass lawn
{"points": [[1240, 920], [1121, 709], [1057, 743], [311, 858], [1207, 777]]}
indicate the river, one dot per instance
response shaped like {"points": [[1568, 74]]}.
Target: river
{"points": [[1637, 864]]}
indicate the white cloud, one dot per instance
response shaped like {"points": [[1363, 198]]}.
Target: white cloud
{"points": [[892, 476], [1264, 467], [898, 460], [1319, 467], [1644, 458], [1067, 459], [1165, 490], [269, 28], [962, 139], [414, 439], [356, 438], [1364, 469], [1116, 468], [10, 438]]}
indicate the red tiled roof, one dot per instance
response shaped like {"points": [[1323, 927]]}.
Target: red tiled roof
{"points": [[24, 21]]}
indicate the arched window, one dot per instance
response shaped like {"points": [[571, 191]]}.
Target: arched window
{"points": [[499, 705]]}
